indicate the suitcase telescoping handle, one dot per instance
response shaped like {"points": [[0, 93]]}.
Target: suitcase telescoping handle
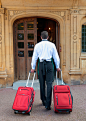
{"points": [[29, 77], [61, 78]]}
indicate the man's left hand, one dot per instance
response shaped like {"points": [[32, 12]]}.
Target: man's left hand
{"points": [[58, 69]]}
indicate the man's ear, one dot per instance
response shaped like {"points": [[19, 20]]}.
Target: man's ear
{"points": [[47, 37]]}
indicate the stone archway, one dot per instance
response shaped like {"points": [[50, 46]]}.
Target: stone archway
{"points": [[50, 15]]}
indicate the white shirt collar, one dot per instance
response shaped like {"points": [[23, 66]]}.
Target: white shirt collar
{"points": [[44, 39]]}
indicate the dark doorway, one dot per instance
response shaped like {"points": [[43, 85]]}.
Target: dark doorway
{"points": [[46, 25]]}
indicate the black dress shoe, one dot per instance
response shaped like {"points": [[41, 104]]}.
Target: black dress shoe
{"points": [[48, 108]]}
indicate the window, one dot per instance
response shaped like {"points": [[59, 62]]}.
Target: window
{"points": [[20, 44], [30, 53], [21, 26], [30, 44], [20, 53], [30, 36], [83, 38], [20, 36], [30, 25]]}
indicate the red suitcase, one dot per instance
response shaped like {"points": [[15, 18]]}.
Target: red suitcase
{"points": [[24, 99], [62, 98]]}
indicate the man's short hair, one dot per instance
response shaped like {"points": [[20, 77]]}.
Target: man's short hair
{"points": [[44, 35]]}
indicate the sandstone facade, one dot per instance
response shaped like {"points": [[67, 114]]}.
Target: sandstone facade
{"points": [[71, 15]]}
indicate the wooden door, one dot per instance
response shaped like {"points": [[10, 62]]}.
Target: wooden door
{"points": [[25, 38]]}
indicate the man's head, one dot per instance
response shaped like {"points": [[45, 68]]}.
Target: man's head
{"points": [[44, 35]]}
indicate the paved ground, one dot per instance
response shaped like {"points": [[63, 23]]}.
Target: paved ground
{"points": [[39, 113]]}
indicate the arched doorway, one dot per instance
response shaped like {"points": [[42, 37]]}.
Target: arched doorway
{"points": [[26, 34]]}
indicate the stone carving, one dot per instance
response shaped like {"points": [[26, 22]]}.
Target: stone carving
{"points": [[74, 37], [75, 11], [15, 12], [75, 54], [1, 10], [18, 12], [74, 24], [75, 3], [68, 15], [60, 13], [5, 14]]}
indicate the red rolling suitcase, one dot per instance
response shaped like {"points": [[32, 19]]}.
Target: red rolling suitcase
{"points": [[24, 98], [62, 97]]}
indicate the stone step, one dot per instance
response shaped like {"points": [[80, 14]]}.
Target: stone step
{"points": [[36, 84]]}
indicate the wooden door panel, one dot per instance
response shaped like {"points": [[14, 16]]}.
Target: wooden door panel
{"points": [[28, 65], [25, 38], [31, 43], [21, 68]]}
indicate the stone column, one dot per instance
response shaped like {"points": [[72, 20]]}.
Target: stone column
{"points": [[2, 44], [3, 74], [75, 42]]}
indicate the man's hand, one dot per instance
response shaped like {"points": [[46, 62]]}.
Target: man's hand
{"points": [[32, 70], [58, 69]]}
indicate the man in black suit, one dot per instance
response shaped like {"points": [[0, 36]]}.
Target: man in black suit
{"points": [[45, 50]]}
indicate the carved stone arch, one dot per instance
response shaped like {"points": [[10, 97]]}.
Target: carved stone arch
{"points": [[50, 15], [38, 14], [83, 21]]}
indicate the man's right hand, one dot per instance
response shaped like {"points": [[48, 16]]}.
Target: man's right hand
{"points": [[32, 70], [58, 69]]}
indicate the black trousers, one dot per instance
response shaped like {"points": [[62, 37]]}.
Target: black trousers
{"points": [[46, 74]]}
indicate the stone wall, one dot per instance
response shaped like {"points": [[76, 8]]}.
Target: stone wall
{"points": [[70, 14]]}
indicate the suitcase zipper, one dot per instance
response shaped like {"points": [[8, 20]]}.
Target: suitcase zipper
{"points": [[69, 99], [57, 99], [22, 94], [24, 89]]}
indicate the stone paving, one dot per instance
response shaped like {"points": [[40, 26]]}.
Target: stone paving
{"points": [[39, 113]]}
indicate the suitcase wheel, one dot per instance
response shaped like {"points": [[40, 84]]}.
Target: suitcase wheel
{"points": [[55, 111], [15, 112], [29, 113]]}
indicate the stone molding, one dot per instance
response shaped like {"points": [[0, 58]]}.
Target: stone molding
{"points": [[1, 10], [75, 3], [12, 13], [75, 71]]}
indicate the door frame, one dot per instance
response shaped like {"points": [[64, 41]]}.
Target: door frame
{"points": [[50, 15]]}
